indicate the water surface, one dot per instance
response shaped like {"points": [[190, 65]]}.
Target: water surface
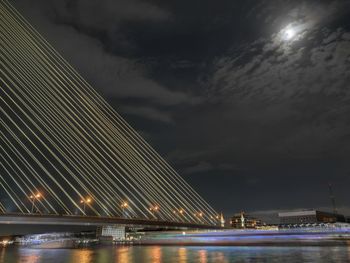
{"points": [[159, 254]]}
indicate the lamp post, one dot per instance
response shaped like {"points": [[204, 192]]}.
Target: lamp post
{"points": [[84, 202], [33, 198], [124, 205], [181, 212], [200, 216], [154, 210]]}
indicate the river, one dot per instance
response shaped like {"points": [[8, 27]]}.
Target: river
{"points": [[174, 254]]}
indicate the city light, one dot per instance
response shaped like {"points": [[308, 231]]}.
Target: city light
{"points": [[87, 200], [34, 198], [124, 205], [154, 208], [6, 242]]}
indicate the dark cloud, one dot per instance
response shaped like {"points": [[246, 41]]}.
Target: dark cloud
{"points": [[76, 29], [297, 87], [208, 167], [249, 100], [148, 113]]}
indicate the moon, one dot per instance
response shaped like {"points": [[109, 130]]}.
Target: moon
{"points": [[289, 34]]}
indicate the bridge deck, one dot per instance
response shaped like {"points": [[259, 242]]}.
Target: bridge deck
{"points": [[40, 219]]}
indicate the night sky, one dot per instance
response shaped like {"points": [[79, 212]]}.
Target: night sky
{"points": [[248, 100]]}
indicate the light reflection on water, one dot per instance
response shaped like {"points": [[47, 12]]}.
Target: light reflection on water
{"points": [[182, 255], [203, 256], [85, 256], [123, 255], [159, 254]]}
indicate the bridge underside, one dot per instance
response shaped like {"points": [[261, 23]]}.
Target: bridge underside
{"points": [[66, 220]]}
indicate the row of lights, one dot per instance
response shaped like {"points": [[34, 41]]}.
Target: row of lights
{"points": [[83, 202], [124, 206], [38, 196]]}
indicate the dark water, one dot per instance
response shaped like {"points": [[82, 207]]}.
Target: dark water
{"points": [[158, 254]]}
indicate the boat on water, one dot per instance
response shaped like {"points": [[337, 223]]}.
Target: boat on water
{"points": [[55, 240]]}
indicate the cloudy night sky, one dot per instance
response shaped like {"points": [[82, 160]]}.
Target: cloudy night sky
{"points": [[248, 100]]}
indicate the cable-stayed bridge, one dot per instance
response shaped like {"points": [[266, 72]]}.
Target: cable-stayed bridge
{"points": [[67, 156]]}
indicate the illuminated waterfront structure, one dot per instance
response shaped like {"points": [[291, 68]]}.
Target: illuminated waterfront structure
{"points": [[222, 220], [244, 221], [309, 217]]}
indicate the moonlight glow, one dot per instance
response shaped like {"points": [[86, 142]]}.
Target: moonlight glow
{"points": [[289, 33], [293, 32]]}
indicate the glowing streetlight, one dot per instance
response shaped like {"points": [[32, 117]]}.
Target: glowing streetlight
{"points": [[84, 202], [154, 209], [124, 206], [181, 214], [199, 215], [34, 198]]}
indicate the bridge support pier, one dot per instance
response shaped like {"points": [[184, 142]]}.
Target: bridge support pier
{"points": [[111, 233]]}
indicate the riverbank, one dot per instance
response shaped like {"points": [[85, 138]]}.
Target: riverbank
{"points": [[286, 237]]}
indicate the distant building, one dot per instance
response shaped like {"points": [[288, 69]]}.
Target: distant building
{"points": [[222, 220], [244, 221], [115, 232], [309, 217]]}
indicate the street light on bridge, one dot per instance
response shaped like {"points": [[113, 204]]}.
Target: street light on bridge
{"points": [[181, 211], [33, 198], [154, 209], [124, 205], [84, 202], [199, 215]]}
